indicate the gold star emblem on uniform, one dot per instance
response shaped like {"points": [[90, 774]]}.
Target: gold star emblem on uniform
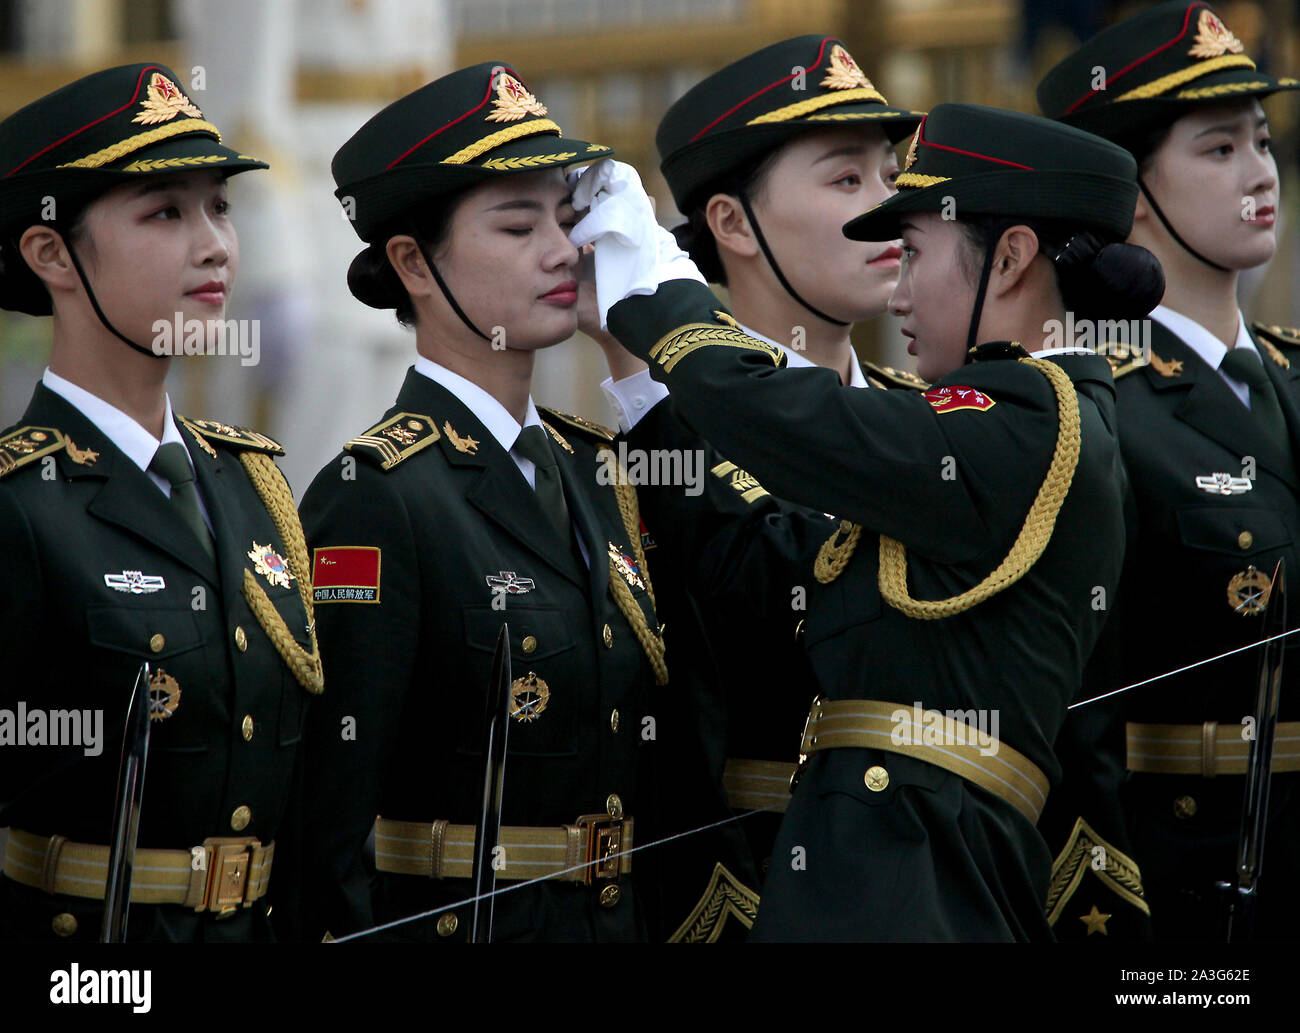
{"points": [[164, 695], [271, 565], [1166, 367], [465, 444], [1248, 592], [1095, 921], [844, 73], [81, 456], [163, 102], [528, 697], [1213, 38], [513, 100]]}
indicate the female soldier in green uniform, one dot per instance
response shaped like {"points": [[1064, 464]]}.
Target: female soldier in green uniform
{"points": [[135, 534], [1209, 418], [463, 508], [982, 518]]}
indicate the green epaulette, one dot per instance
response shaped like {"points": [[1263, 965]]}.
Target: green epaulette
{"points": [[593, 430], [25, 445], [887, 376], [1274, 338], [239, 437], [395, 439]]}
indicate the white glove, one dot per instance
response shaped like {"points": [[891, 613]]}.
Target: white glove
{"points": [[634, 254]]}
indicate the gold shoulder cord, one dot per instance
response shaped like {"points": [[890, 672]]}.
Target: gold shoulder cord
{"points": [[627, 506], [275, 494], [1034, 534]]}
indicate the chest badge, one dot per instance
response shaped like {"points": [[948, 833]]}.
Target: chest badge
{"points": [[626, 565], [1248, 592], [135, 582], [164, 695], [509, 582], [270, 564], [529, 696], [1224, 484]]}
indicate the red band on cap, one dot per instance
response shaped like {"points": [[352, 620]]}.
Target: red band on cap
{"points": [[477, 107], [759, 93], [1187, 17], [134, 97], [976, 154]]}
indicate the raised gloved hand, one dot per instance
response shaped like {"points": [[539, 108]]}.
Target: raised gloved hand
{"points": [[634, 254]]}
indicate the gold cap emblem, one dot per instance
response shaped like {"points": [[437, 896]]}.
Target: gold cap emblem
{"points": [[164, 102], [513, 100], [1213, 37], [844, 73]]}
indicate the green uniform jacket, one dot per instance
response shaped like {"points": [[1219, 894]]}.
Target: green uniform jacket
{"points": [[930, 856], [70, 641], [1180, 421], [451, 517]]}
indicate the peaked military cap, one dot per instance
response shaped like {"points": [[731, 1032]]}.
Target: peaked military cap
{"points": [[1151, 67], [467, 127], [74, 144], [995, 162], [758, 103]]}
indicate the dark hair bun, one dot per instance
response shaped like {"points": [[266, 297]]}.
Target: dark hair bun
{"points": [[373, 280], [1108, 281]]}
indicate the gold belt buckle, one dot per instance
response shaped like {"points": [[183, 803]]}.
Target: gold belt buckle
{"points": [[604, 841], [815, 709], [230, 862]]}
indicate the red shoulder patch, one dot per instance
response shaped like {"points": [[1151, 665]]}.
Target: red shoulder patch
{"points": [[950, 399], [346, 574]]}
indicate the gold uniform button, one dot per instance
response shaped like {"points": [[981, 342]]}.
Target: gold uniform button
{"points": [[64, 924], [156, 643], [614, 806], [876, 778], [609, 896], [1245, 540], [241, 639], [447, 923], [608, 636], [1185, 807], [240, 819], [530, 643], [247, 728], [613, 720]]}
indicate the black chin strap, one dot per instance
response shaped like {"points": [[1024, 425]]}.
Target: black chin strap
{"points": [[1174, 233], [442, 286], [978, 310], [771, 260], [94, 303]]}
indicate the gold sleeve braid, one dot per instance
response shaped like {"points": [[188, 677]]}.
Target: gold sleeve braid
{"points": [[1034, 534], [651, 643], [278, 499]]}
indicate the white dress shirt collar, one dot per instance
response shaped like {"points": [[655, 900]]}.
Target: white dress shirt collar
{"points": [[1206, 345], [797, 360], [492, 414]]}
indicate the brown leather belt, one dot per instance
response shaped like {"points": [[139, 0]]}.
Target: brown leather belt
{"points": [[221, 875], [1206, 749]]}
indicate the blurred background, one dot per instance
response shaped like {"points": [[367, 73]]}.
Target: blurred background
{"points": [[290, 80]]}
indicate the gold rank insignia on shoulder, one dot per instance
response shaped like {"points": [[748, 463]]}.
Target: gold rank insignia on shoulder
{"points": [[1248, 592], [164, 695], [677, 344], [26, 445], [466, 444], [743, 482], [396, 439], [589, 427], [897, 377], [240, 437], [271, 565], [1274, 338]]}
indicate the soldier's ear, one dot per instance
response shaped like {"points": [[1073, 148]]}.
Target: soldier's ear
{"points": [[46, 254], [409, 264], [1016, 250], [730, 228]]}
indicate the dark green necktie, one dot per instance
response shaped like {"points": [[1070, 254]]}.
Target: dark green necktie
{"points": [[172, 463], [532, 444], [1244, 364]]}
